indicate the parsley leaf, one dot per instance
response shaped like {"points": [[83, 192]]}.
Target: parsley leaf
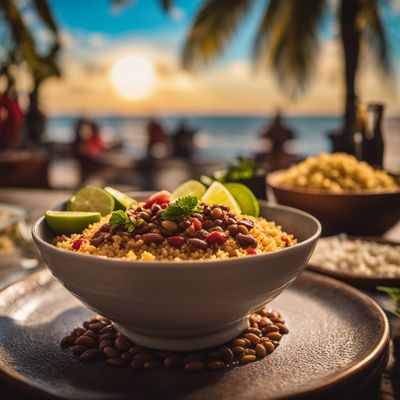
{"points": [[394, 294], [120, 217], [183, 207]]}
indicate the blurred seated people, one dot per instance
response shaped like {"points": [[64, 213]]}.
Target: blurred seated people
{"points": [[88, 148], [156, 139], [35, 120], [277, 134], [11, 121], [183, 141], [88, 142]]}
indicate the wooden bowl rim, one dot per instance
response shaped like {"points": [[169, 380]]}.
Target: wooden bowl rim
{"points": [[274, 176]]}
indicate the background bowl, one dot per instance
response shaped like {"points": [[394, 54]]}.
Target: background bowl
{"points": [[183, 305], [354, 212]]}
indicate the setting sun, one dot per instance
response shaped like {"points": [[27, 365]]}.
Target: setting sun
{"points": [[132, 77]]}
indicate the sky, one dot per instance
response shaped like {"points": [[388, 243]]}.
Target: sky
{"points": [[96, 35]]}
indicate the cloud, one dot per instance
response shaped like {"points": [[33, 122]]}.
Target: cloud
{"points": [[233, 88], [177, 13]]}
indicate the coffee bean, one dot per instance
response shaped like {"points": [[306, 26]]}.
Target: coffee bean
{"points": [[260, 350], [247, 359], [252, 337], [105, 343], [152, 364], [78, 349], [110, 352], [195, 365], [122, 343], [86, 341], [89, 355], [116, 362], [174, 360], [133, 350], [67, 341], [216, 364], [274, 336]]}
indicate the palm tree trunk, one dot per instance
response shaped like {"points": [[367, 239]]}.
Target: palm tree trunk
{"points": [[350, 37]]}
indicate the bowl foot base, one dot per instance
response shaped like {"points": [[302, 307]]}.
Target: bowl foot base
{"points": [[186, 344]]}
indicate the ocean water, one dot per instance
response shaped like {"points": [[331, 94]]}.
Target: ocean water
{"points": [[218, 137]]}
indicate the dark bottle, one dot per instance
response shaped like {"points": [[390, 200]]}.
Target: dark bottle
{"points": [[372, 145]]}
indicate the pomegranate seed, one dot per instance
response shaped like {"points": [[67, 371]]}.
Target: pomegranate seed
{"points": [[158, 198], [176, 241], [77, 243], [215, 237], [285, 239], [196, 223], [251, 250]]}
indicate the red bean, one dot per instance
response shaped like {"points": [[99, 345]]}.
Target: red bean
{"points": [[176, 241]]}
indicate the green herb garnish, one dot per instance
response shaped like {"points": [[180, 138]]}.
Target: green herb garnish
{"points": [[242, 169], [394, 294], [182, 208], [120, 217]]}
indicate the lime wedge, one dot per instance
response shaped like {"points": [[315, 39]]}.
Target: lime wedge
{"points": [[188, 188], [122, 200], [217, 193], [67, 222], [91, 198], [245, 198]]}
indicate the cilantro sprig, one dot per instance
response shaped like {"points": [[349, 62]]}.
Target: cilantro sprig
{"points": [[394, 294], [182, 208], [120, 217]]}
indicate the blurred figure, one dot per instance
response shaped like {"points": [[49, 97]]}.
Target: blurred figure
{"points": [[277, 134], [35, 120], [11, 121], [88, 142], [183, 140], [156, 139]]}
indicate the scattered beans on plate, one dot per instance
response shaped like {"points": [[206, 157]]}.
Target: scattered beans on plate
{"points": [[98, 338]]}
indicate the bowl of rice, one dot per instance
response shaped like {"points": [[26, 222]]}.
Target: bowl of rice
{"points": [[165, 294], [346, 195]]}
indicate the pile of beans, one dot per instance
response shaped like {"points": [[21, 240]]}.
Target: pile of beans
{"points": [[202, 230], [97, 338]]}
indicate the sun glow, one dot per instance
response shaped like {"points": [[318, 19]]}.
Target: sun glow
{"points": [[133, 77]]}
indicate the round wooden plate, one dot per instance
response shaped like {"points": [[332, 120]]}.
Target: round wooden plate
{"points": [[337, 343], [360, 280]]}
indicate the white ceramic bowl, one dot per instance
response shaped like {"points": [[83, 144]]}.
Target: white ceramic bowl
{"points": [[183, 305]]}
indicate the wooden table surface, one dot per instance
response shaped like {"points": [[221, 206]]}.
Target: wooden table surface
{"points": [[36, 201]]}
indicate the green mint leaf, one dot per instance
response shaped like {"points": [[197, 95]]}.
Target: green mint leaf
{"points": [[183, 207], [394, 294], [120, 217]]}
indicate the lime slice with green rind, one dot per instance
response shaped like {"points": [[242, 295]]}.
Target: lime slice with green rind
{"points": [[91, 198], [122, 200], [68, 222], [248, 203], [217, 193], [189, 188]]}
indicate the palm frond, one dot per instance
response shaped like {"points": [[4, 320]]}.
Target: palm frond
{"points": [[374, 34], [212, 28], [22, 39], [43, 10], [288, 40], [166, 4]]}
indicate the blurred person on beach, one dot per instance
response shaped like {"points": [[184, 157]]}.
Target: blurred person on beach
{"points": [[88, 142], [11, 121], [156, 139], [35, 120], [183, 141], [276, 134]]}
